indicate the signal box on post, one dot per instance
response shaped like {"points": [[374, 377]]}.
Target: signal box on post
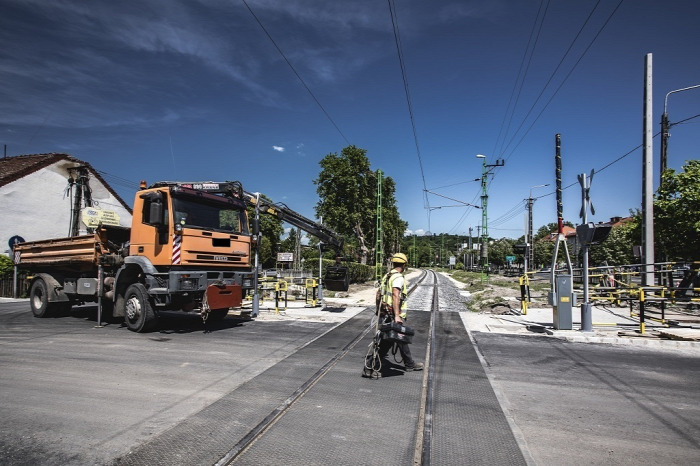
{"points": [[590, 233]]}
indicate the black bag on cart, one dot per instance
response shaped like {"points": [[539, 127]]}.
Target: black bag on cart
{"points": [[397, 332]]}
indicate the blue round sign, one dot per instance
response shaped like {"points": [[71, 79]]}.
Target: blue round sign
{"points": [[14, 240]]}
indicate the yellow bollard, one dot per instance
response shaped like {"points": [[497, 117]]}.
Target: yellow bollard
{"points": [[524, 293]]}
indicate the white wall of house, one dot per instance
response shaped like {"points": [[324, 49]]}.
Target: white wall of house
{"points": [[38, 206]]}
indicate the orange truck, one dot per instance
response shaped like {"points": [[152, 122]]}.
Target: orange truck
{"points": [[189, 248]]}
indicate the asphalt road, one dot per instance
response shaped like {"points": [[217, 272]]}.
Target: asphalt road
{"points": [[583, 403], [74, 394]]}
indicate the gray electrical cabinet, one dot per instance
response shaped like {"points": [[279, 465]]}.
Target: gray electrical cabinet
{"points": [[564, 303]]}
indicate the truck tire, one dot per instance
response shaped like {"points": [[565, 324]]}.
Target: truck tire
{"points": [[39, 299], [139, 314]]}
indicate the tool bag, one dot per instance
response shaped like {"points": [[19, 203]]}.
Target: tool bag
{"points": [[397, 332]]}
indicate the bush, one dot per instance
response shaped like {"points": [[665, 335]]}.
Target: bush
{"points": [[358, 273], [7, 267]]}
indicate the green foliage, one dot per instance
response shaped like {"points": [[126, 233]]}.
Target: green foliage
{"points": [[545, 230], [271, 230], [347, 190], [7, 267], [617, 248], [542, 254], [431, 250], [677, 214], [358, 273], [499, 249]]}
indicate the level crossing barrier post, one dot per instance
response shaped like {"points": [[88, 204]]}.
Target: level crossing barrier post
{"points": [[641, 310], [524, 293]]}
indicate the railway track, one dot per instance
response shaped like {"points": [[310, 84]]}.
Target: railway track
{"points": [[425, 284]]}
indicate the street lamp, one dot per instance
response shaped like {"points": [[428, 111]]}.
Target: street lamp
{"points": [[530, 253], [665, 126]]}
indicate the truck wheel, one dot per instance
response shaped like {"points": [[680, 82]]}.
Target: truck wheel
{"points": [[39, 299], [138, 308]]}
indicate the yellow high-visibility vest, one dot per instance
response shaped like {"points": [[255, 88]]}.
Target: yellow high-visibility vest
{"points": [[387, 291]]}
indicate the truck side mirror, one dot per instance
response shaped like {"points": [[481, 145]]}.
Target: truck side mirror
{"points": [[156, 213], [256, 226], [153, 209]]}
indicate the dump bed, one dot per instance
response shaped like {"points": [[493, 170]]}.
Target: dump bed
{"points": [[76, 252]]}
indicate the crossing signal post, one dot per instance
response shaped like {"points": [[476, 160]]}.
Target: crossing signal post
{"points": [[588, 234]]}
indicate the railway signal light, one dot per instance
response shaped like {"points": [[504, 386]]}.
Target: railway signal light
{"points": [[590, 233]]}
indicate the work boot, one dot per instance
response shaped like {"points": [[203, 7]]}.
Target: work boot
{"points": [[418, 366]]}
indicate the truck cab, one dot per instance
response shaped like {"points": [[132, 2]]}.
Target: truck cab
{"points": [[190, 249]]}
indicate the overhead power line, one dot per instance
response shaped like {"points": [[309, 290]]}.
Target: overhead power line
{"points": [[520, 70], [551, 76], [402, 65], [575, 183], [583, 54], [513, 212], [301, 80]]}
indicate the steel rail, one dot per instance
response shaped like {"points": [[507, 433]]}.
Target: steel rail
{"points": [[424, 434]]}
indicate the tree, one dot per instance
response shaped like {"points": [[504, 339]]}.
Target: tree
{"points": [[617, 249], [347, 202], [545, 230], [499, 249], [677, 214], [6, 266], [542, 253], [271, 230]]}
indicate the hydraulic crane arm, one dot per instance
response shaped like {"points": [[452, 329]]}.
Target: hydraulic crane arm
{"points": [[234, 189], [281, 211]]}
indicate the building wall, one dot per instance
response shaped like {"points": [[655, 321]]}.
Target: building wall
{"points": [[39, 207]]}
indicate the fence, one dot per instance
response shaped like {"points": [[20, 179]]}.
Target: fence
{"points": [[7, 285]]}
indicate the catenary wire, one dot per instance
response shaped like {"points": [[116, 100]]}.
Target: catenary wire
{"points": [[517, 79], [551, 77], [402, 65], [522, 83], [509, 215], [565, 79], [295, 72], [631, 151]]}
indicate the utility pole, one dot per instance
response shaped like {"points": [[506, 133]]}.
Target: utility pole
{"points": [[471, 250], [665, 127], [442, 249], [485, 171], [414, 250], [664, 144], [648, 180], [529, 252], [586, 307], [379, 254]]}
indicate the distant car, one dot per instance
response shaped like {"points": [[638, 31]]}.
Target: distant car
{"points": [[546, 270]]}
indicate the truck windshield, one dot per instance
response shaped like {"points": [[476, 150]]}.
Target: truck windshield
{"points": [[206, 214]]}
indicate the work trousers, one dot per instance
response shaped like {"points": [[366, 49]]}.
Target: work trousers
{"points": [[385, 346]]}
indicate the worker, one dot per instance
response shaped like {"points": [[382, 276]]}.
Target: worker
{"points": [[391, 301]]}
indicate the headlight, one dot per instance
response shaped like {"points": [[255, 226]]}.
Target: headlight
{"points": [[188, 283]]}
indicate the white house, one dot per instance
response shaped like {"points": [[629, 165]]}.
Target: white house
{"points": [[54, 195]]}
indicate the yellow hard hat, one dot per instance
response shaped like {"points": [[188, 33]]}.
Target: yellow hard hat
{"points": [[399, 258]]}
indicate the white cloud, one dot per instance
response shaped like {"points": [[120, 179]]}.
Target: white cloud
{"points": [[419, 232], [278, 148]]}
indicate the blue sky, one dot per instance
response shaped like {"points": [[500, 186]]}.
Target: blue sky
{"points": [[195, 90]]}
